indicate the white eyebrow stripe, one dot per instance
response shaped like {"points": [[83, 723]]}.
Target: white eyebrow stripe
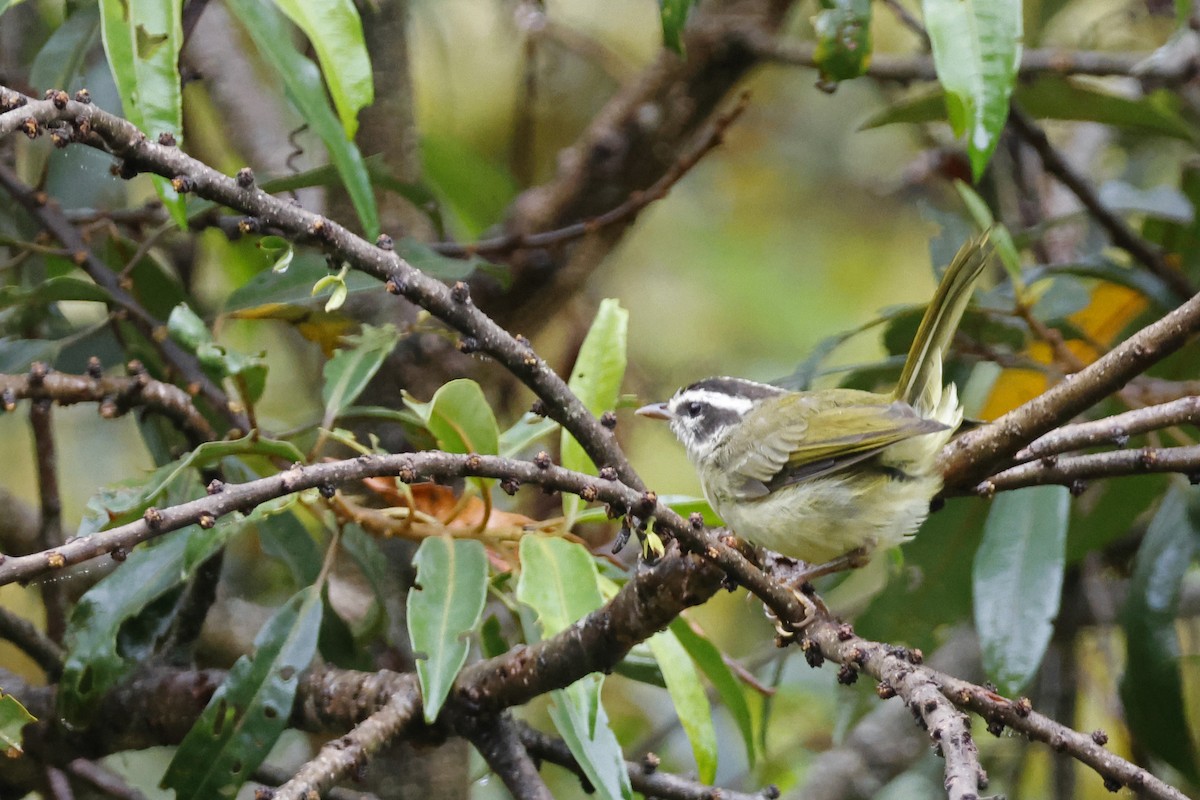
{"points": [[718, 400]]}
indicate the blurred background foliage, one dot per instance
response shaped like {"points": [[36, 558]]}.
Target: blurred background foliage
{"points": [[799, 226]]}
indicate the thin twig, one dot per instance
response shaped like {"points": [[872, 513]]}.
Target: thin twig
{"points": [[347, 754], [643, 776], [51, 217], [116, 395], [1116, 429], [50, 535], [1122, 235], [633, 205], [45, 652], [1074, 470], [498, 740]]}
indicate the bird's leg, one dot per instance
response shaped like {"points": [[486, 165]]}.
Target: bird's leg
{"points": [[856, 558], [797, 576]]}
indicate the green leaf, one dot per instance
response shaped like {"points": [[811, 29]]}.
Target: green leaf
{"points": [[142, 39], [284, 538], [294, 287], [443, 608], [99, 653], [843, 29], [302, 82], [710, 661], [1017, 579], [558, 581], [691, 704], [474, 190], [186, 328], [217, 361], [373, 565], [595, 380], [352, 367], [250, 710], [581, 720], [460, 418], [1054, 97], [524, 432], [13, 716], [1152, 688], [279, 250], [59, 62], [976, 50], [674, 15], [1005, 247], [335, 30]]}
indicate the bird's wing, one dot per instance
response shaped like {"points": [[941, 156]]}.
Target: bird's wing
{"points": [[779, 448]]}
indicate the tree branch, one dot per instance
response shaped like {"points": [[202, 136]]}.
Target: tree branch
{"points": [[644, 779], [498, 739], [974, 455], [51, 217], [1074, 470], [116, 395], [1113, 430], [1122, 235]]}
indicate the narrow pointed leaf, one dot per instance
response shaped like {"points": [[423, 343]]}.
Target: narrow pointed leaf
{"points": [[1017, 579], [596, 380], [352, 367], [97, 654], [142, 39], [560, 583], [335, 30], [250, 710], [976, 50], [443, 608], [691, 703], [708, 658], [1152, 687], [580, 719], [302, 81]]}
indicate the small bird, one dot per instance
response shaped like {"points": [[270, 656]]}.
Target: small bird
{"points": [[830, 476]]}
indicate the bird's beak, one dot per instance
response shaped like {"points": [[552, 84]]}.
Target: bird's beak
{"points": [[654, 411]]}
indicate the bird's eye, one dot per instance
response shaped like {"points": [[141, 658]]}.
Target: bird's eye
{"points": [[693, 409]]}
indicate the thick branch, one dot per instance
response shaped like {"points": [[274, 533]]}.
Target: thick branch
{"points": [[976, 454]]}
